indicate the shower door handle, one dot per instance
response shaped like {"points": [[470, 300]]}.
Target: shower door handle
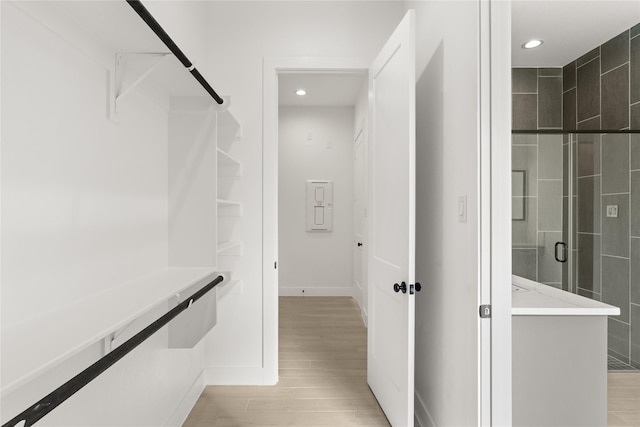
{"points": [[560, 252]]}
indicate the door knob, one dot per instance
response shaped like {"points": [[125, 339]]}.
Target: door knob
{"points": [[418, 287], [359, 243], [402, 287]]}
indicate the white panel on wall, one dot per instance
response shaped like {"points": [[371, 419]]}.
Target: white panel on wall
{"points": [[319, 205]]}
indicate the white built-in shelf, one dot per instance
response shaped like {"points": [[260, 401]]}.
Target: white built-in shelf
{"points": [[228, 208], [232, 248], [227, 165], [31, 347], [232, 287], [229, 130]]}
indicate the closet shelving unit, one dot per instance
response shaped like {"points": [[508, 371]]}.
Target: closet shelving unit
{"points": [[138, 61], [229, 211]]}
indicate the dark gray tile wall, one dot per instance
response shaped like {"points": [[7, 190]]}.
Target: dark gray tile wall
{"points": [[601, 90], [537, 104]]}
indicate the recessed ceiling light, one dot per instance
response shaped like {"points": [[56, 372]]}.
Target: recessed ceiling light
{"points": [[532, 44], [301, 92]]}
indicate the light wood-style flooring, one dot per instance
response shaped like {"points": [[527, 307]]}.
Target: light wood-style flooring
{"points": [[323, 374], [323, 368], [624, 399]]}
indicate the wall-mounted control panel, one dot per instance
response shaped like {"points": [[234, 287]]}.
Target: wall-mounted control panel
{"points": [[319, 205]]}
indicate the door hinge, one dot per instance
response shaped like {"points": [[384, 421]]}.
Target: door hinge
{"points": [[485, 311]]}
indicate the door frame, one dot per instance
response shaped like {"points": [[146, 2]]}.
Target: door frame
{"points": [[271, 68]]}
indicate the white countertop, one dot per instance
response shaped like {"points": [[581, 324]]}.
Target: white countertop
{"points": [[531, 298]]}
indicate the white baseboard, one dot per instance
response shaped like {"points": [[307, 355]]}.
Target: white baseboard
{"points": [[422, 415], [335, 291], [183, 410], [236, 375]]}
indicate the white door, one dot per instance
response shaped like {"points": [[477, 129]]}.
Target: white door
{"points": [[358, 217], [392, 224]]}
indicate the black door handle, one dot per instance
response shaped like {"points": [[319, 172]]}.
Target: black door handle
{"points": [[561, 255], [402, 287], [359, 243]]}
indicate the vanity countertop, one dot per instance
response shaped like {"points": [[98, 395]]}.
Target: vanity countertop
{"points": [[530, 298]]}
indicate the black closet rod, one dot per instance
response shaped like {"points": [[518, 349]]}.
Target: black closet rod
{"points": [[162, 34], [51, 401], [576, 131]]}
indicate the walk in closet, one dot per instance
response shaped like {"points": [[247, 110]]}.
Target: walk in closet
{"points": [[117, 204]]}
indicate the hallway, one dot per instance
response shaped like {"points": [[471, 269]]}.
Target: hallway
{"points": [[323, 369]]}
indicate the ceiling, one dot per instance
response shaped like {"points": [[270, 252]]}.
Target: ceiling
{"points": [[323, 89], [569, 28]]}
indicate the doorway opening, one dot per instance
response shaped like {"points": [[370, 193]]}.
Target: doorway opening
{"points": [[321, 192]]}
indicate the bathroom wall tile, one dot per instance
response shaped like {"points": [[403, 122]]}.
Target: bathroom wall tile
{"points": [[634, 70], [569, 110], [635, 116], [550, 205], [550, 157], [635, 270], [592, 54], [565, 276], [550, 72], [524, 263], [549, 270], [615, 98], [615, 231], [635, 203], [615, 284], [569, 76], [524, 112], [524, 139], [615, 163], [634, 31], [615, 52], [574, 210], [588, 95], [523, 80], [618, 335], [590, 124], [524, 232], [635, 151], [589, 204], [589, 294], [526, 158], [588, 161], [589, 262], [565, 169], [635, 333], [549, 102]]}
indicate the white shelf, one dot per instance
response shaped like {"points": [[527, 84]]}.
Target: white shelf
{"points": [[229, 130], [30, 348], [228, 208], [233, 287], [232, 248], [227, 165]]}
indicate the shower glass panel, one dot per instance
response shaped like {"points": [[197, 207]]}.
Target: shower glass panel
{"points": [[540, 195], [576, 221]]}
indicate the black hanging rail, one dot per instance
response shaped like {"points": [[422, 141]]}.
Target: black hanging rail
{"points": [[51, 401], [166, 39], [576, 131]]}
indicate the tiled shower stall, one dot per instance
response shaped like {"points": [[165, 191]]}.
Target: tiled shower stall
{"points": [[582, 189]]}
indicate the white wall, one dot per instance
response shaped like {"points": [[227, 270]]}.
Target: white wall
{"points": [[84, 209], [243, 35], [318, 262], [447, 251]]}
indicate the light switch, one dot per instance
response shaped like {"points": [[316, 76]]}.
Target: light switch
{"points": [[462, 209], [612, 211]]}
